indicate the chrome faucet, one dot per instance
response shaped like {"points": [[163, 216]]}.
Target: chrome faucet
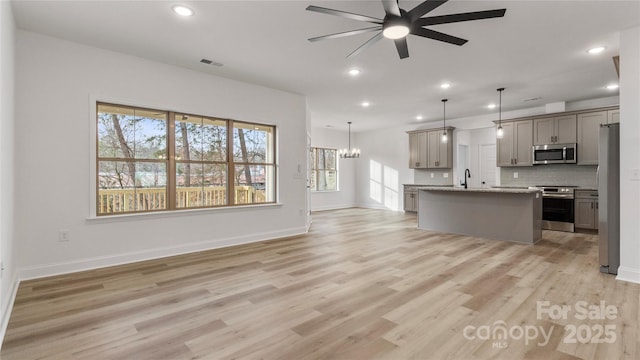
{"points": [[466, 172]]}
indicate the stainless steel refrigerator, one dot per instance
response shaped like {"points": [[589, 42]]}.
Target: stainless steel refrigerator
{"points": [[609, 198]]}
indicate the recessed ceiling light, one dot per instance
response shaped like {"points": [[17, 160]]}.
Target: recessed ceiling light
{"points": [[445, 85], [612, 86], [354, 72], [596, 50], [491, 106], [419, 117], [182, 10], [365, 104]]}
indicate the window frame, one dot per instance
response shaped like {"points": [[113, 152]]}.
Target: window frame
{"points": [[315, 170], [171, 162]]}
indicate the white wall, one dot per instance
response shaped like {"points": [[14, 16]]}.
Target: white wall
{"points": [[55, 81], [629, 149], [8, 281], [345, 197], [382, 168]]}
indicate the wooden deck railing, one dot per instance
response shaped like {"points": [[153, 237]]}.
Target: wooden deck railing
{"points": [[113, 201]]}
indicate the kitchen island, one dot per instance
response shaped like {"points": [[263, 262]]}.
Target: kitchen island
{"points": [[513, 214]]}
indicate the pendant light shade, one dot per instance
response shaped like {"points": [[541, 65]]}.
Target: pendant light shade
{"points": [[444, 138], [500, 130], [349, 153]]}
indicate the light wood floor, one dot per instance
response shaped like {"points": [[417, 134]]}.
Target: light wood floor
{"points": [[363, 284]]}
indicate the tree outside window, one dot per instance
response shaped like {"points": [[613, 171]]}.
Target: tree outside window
{"points": [[324, 169], [143, 166]]}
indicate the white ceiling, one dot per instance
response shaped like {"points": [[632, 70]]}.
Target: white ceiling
{"points": [[537, 50]]}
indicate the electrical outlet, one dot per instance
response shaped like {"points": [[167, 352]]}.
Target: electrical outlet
{"points": [[63, 235], [515, 175], [635, 174], [445, 175], [433, 175]]}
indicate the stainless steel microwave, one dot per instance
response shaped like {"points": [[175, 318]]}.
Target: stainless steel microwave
{"points": [[554, 154]]}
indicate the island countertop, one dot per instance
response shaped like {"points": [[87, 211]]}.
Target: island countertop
{"points": [[513, 214], [500, 190]]}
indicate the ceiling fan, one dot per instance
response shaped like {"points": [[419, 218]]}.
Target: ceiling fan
{"points": [[398, 23]]}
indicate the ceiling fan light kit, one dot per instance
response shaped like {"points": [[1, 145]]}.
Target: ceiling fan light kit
{"points": [[398, 23]]}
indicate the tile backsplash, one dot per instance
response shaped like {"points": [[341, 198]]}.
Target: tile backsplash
{"points": [[555, 174], [424, 177]]}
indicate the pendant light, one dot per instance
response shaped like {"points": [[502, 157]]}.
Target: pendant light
{"points": [[349, 153], [500, 130], [444, 138]]}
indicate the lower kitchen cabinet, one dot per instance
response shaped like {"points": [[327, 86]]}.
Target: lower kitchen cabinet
{"points": [[586, 209], [410, 199]]}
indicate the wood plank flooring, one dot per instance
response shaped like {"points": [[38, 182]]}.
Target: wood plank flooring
{"points": [[363, 284]]}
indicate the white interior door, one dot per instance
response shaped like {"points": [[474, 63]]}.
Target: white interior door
{"points": [[488, 165]]}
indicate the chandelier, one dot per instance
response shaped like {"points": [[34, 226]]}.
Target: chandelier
{"points": [[349, 153]]}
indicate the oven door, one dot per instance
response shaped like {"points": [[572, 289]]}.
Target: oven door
{"points": [[558, 213]]}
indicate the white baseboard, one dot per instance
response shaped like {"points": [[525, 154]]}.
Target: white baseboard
{"points": [[6, 312], [375, 207], [52, 269], [628, 274], [332, 207]]}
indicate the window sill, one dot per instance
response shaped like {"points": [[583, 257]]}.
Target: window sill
{"points": [[174, 213]]}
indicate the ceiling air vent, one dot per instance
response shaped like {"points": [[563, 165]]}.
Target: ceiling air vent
{"points": [[210, 62]]}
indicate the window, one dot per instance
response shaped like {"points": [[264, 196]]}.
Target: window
{"points": [[152, 160], [324, 169]]}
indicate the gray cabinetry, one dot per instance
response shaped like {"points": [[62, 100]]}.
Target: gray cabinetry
{"points": [[586, 209], [514, 149], [588, 136], [554, 130], [427, 151], [439, 153], [410, 199], [418, 150]]}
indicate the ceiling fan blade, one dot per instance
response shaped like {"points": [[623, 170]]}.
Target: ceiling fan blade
{"points": [[401, 46], [344, 14], [424, 8], [346, 33], [446, 19], [367, 44], [436, 35], [391, 7]]}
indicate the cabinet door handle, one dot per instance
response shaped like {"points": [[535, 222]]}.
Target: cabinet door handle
{"points": [[592, 205], [597, 204], [417, 164]]}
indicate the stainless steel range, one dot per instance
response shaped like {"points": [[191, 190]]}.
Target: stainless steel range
{"points": [[558, 207]]}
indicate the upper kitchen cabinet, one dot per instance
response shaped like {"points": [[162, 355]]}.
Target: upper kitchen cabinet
{"points": [[418, 150], [427, 151], [440, 153], [588, 136], [613, 116], [515, 148], [554, 130]]}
